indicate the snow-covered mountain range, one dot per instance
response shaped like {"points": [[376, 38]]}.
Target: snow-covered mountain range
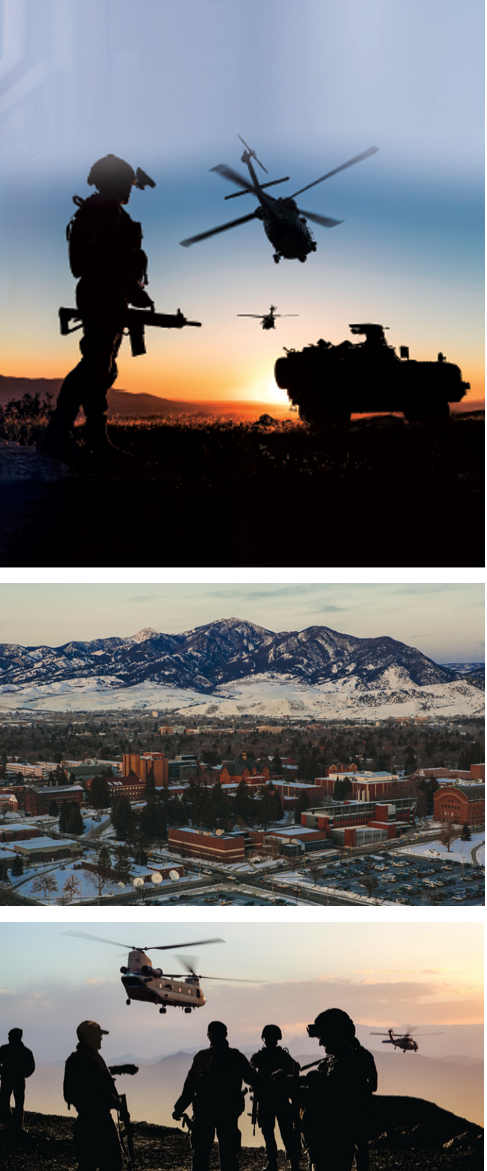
{"points": [[231, 666]]}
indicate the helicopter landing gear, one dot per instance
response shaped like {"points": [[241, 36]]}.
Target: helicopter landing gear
{"points": [[187, 1009], [276, 257], [128, 1002], [163, 1009]]}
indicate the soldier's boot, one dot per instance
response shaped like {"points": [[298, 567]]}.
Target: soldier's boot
{"points": [[57, 441], [96, 438]]}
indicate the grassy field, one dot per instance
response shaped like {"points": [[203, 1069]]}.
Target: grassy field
{"points": [[203, 492]]}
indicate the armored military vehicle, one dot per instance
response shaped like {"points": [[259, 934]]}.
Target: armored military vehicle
{"points": [[330, 382]]}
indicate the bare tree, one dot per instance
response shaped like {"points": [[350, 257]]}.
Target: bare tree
{"points": [[449, 831], [45, 884], [71, 890]]}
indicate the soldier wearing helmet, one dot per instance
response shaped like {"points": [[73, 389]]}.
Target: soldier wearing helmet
{"points": [[277, 1074], [106, 257], [336, 1095], [89, 1086], [214, 1087]]}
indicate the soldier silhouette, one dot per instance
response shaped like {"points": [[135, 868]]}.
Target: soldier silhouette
{"points": [[275, 1066], [336, 1095], [105, 253], [214, 1087], [89, 1086], [16, 1063]]}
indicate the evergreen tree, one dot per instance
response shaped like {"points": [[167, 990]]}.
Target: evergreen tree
{"points": [[299, 808], [64, 816], [276, 764], [75, 820], [150, 785], [100, 792], [466, 834], [53, 809], [123, 818], [17, 867], [342, 789], [122, 864]]}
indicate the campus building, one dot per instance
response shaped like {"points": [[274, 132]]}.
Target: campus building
{"points": [[38, 798], [207, 844], [347, 822], [461, 803], [365, 786], [48, 849]]}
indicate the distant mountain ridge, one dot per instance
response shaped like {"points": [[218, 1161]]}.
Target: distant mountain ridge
{"points": [[224, 652]]}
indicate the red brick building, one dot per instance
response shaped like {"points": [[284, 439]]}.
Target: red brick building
{"points": [[206, 844], [142, 766], [38, 798], [464, 804], [365, 786], [130, 786]]}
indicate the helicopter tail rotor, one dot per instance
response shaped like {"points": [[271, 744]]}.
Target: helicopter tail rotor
{"points": [[252, 154]]}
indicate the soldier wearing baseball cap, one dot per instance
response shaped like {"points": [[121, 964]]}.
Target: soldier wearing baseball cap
{"points": [[89, 1086]]}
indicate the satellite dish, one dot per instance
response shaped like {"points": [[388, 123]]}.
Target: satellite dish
{"points": [[174, 876], [218, 833], [138, 882], [121, 885], [155, 714], [156, 877]]}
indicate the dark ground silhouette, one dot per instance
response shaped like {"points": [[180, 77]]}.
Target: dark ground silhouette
{"points": [[377, 492], [47, 1144]]}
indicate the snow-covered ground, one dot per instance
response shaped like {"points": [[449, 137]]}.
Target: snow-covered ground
{"points": [[88, 887], [261, 695], [459, 851]]}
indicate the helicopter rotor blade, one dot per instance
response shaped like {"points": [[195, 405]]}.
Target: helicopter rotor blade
{"points": [[131, 946], [358, 159], [259, 315], [252, 152], [324, 220], [214, 231], [233, 177], [271, 184]]}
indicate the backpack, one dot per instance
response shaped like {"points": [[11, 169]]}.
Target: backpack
{"points": [[85, 243]]}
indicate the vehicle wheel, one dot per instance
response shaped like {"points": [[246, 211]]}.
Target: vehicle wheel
{"points": [[162, 1009], [320, 419], [276, 258]]}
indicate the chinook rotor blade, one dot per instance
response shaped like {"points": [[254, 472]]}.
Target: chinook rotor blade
{"points": [[233, 176], [324, 220], [259, 315], [358, 159], [214, 231], [131, 946]]}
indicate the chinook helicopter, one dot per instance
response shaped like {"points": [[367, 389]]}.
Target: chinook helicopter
{"points": [[268, 319], [144, 982], [404, 1041], [284, 222]]}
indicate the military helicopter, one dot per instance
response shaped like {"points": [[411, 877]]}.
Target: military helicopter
{"points": [[144, 982], [268, 319], [284, 222], [404, 1041]]}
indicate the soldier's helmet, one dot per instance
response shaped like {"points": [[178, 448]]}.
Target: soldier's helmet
{"points": [[111, 173], [332, 1023], [271, 1033], [217, 1029]]}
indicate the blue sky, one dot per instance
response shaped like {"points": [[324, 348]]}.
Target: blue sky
{"points": [[444, 621], [309, 85]]}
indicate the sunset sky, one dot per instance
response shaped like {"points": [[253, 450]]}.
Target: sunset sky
{"points": [[168, 86], [444, 621], [383, 974]]}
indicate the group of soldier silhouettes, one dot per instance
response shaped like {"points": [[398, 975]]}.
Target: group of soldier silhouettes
{"points": [[323, 1113]]}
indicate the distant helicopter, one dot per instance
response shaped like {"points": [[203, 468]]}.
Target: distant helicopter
{"points": [[143, 982], [284, 222], [404, 1041], [268, 319]]}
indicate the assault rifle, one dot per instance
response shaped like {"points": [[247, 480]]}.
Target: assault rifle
{"points": [[125, 1126], [135, 320]]}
